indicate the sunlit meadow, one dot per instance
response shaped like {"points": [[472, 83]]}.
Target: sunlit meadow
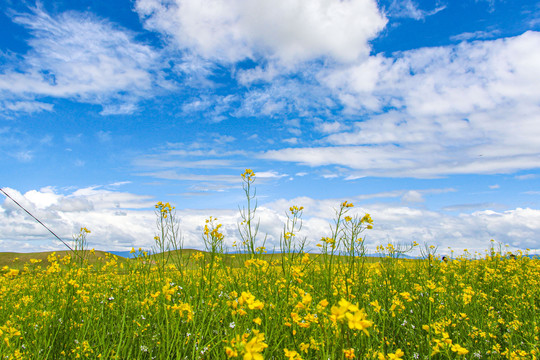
{"points": [[242, 303]]}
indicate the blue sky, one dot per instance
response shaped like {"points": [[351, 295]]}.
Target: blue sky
{"points": [[425, 114]]}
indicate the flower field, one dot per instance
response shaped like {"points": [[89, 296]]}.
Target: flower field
{"points": [[336, 304], [386, 310]]}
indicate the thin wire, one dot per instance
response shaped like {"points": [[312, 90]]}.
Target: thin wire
{"points": [[42, 224]]}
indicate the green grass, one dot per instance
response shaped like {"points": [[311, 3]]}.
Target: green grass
{"points": [[17, 260], [133, 310]]}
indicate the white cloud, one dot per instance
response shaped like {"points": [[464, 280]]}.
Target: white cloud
{"points": [[28, 106], [43, 198], [475, 35], [173, 175], [16, 143], [361, 78], [104, 136], [404, 224], [119, 221], [393, 161], [466, 109], [23, 156], [46, 140], [412, 196], [409, 9], [158, 161], [526, 177], [79, 56], [289, 96], [289, 31], [106, 199], [65, 214], [119, 183], [291, 141], [193, 166], [270, 174], [118, 109], [214, 107], [461, 79], [329, 127]]}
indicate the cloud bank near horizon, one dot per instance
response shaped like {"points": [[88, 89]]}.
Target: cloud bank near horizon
{"points": [[120, 221]]}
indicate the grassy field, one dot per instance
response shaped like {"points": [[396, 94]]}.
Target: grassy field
{"points": [[267, 308], [18, 260], [337, 304]]}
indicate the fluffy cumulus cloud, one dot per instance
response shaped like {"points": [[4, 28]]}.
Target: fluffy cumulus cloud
{"points": [[116, 219], [469, 108], [285, 30], [119, 221], [400, 224], [78, 56]]}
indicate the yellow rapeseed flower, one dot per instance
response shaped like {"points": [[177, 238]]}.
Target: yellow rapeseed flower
{"points": [[292, 355], [349, 353], [253, 349], [376, 306], [358, 321], [397, 355], [231, 352], [459, 349]]}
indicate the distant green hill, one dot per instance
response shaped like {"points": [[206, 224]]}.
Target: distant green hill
{"points": [[17, 260]]}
